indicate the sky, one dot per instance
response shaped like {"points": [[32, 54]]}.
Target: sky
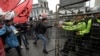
{"points": [[52, 4], [92, 3]]}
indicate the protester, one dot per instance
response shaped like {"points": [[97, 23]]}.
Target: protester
{"points": [[22, 28], [11, 34], [76, 40], [40, 31]]}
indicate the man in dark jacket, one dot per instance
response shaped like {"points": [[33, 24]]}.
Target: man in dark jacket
{"points": [[40, 31], [22, 28]]}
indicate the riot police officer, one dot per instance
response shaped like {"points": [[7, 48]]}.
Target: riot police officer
{"points": [[77, 25], [93, 32]]}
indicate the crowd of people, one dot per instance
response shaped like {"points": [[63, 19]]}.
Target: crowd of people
{"points": [[12, 34]]}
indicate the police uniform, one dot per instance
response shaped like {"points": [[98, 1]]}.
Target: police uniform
{"points": [[93, 33], [93, 36], [76, 40]]}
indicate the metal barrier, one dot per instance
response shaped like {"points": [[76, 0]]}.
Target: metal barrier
{"points": [[79, 45]]}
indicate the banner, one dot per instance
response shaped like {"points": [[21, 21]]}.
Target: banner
{"points": [[23, 12], [8, 5]]}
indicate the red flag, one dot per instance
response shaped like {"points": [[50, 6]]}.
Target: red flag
{"points": [[21, 7], [23, 16], [8, 5]]}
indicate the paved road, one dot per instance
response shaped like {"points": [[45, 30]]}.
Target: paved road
{"points": [[37, 50], [34, 50]]}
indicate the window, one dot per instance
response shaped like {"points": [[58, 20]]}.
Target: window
{"points": [[41, 6], [45, 11], [34, 13], [45, 4], [37, 12], [42, 11]]}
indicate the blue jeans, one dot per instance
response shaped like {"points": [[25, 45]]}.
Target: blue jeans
{"points": [[25, 40], [43, 38]]}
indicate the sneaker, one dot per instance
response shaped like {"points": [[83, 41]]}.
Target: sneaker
{"points": [[45, 51], [6, 51], [27, 48], [21, 47]]}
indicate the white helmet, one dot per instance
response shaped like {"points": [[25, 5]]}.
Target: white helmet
{"points": [[9, 15]]}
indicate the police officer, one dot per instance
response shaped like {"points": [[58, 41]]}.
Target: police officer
{"points": [[93, 31], [77, 25]]}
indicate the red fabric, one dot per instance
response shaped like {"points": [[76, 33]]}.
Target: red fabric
{"points": [[2, 52], [25, 9], [1, 26], [21, 7], [1, 45], [8, 5]]}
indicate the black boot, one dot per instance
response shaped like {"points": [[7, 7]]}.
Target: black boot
{"points": [[27, 48], [18, 51], [35, 43], [7, 49], [45, 51]]}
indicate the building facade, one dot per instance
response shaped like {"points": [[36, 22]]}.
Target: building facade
{"points": [[97, 2], [40, 9], [73, 8], [67, 2]]}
